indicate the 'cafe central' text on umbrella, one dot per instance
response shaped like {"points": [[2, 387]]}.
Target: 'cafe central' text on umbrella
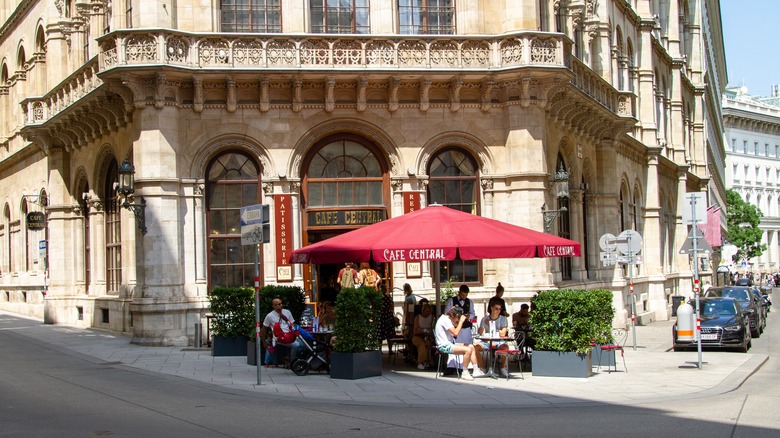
{"points": [[398, 255], [558, 251]]}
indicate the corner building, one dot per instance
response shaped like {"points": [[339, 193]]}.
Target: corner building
{"points": [[338, 115]]}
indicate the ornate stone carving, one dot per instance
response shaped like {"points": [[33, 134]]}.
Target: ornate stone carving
{"points": [[362, 84], [397, 185], [487, 183], [265, 99], [425, 86], [232, 100], [297, 103], [330, 100], [486, 91], [197, 99], [455, 85], [392, 99]]}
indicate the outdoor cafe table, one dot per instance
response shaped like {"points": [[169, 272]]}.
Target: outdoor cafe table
{"points": [[493, 341]]}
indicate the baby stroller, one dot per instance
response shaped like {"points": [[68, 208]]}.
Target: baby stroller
{"points": [[311, 355]]}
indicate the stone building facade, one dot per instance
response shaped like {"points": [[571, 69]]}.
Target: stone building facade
{"points": [[752, 127], [339, 115]]}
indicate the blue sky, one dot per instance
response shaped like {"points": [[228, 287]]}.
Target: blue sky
{"points": [[750, 33]]}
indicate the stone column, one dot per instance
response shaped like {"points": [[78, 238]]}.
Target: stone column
{"points": [[97, 216]]}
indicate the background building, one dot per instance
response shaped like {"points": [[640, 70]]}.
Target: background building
{"points": [[339, 115], [753, 165]]}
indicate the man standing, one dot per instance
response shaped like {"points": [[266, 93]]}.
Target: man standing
{"points": [[448, 326], [286, 321]]}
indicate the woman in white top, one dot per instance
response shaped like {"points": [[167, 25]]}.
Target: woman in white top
{"points": [[423, 335], [493, 325]]}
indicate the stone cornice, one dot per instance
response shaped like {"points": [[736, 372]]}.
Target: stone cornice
{"points": [[16, 17]]}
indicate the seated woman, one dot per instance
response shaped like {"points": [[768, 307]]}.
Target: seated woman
{"points": [[495, 324], [423, 335], [327, 315]]}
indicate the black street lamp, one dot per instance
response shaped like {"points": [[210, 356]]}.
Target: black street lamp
{"points": [[561, 186], [125, 189]]}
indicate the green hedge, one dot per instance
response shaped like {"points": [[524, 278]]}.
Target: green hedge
{"points": [[570, 320], [293, 298], [234, 307], [357, 319], [234, 311]]}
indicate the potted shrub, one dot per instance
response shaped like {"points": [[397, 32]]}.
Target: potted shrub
{"points": [[356, 353], [234, 320], [565, 324], [294, 299]]}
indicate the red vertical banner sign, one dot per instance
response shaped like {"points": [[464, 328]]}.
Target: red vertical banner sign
{"points": [[412, 203], [283, 237]]}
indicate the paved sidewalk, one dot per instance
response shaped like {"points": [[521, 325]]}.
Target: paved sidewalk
{"points": [[654, 373]]}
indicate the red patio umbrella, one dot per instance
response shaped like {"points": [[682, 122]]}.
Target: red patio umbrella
{"points": [[436, 233]]}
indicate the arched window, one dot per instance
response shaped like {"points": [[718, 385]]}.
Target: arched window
{"points": [[233, 182], [7, 238], [564, 223], [26, 235], [453, 176], [113, 223], [83, 200], [620, 211], [344, 173]]}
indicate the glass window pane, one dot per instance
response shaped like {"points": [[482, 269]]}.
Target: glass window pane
{"points": [[233, 196], [249, 254], [361, 193], [345, 193], [216, 196], [375, 190], [216, 222], [249, 196], [234, 252], [217, 251], [315, 194], [218, 276], [471, 269], [330, 192], [233, 221]]}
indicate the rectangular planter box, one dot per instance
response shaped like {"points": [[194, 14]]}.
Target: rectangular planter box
{"points": [[353, 366], [561, 364], [251, 355], [607, 357], [232, 346]]}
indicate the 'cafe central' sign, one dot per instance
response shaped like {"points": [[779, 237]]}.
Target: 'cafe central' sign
{"points": [[340, 218]]}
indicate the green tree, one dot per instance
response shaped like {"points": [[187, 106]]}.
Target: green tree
{"points": [[743, 231]]}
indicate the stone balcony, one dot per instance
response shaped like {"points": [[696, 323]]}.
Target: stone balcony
{"points": [[145, 51]]}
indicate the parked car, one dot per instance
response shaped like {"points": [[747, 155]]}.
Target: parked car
{"points": [[764, 305], [723, 325], [751, 306]]}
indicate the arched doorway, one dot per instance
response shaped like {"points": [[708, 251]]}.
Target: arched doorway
{"points": [[345, 186]]}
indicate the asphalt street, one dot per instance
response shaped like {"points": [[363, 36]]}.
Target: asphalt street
{"points": [[50, 389]]}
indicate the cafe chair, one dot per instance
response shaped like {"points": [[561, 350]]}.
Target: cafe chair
{"points": [[458, 363], [619, 336], [513, 353]]}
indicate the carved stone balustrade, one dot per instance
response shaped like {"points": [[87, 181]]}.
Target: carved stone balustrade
{"points": [[275, 51]]}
